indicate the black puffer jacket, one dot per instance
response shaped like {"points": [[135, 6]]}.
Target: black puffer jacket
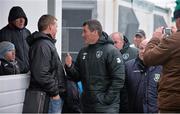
{"points": [[18, 38], [101, 69], [8, 68], [47, 72], [128, 52]]}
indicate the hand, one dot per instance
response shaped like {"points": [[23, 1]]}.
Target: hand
{"points": [[56, 97], [68, 60], [158, 33], [174, 29]]}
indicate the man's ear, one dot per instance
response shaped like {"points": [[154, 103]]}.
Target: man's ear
{"points": [[50, 27], [96, 32]]}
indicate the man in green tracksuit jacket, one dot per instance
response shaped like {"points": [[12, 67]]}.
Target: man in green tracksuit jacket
{"points": [[100, 67]]}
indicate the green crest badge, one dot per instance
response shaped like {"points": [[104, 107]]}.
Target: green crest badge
{"points": [[156, 77]]}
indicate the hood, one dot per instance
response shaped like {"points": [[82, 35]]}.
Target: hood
{"points": [[105, 39], [38, 36], [126, 45], [17, 12]]}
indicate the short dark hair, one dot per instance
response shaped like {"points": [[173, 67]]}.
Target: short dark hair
{"points": [[45, 21], [94, 25]]}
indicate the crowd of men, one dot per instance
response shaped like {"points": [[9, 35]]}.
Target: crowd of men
{"points": [[116, 76]]}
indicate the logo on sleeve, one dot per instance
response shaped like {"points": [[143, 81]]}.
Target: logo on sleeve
{"points": [[125, 56], [84, 55], [118, 60], [99, 54]]}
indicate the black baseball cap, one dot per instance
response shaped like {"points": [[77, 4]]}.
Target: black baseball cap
{"points": [[140, 33]]}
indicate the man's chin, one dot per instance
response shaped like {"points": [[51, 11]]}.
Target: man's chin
{"points": [[21, 26]]}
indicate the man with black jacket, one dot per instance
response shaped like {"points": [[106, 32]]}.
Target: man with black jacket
{"points": [[122, 43], [100, 67], [47, 73], [128, 53], [16, 33]]}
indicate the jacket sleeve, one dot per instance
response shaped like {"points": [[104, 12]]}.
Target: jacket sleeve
{"points": [[157, 52], [124, 95], [72, 73], [116, 70], [42, 71]]}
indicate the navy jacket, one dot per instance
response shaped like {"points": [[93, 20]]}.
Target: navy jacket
{"points": [[141, 87]]}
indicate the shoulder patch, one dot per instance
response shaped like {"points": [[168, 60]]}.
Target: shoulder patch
{"points": [[125, 56], [84, 55], [99, 54], [118, 60]]}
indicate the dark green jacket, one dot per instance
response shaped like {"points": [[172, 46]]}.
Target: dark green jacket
{"points": [[128, 52], [100, 67]]}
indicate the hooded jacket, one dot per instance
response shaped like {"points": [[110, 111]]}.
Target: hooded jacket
{"points": [[100, 67], [47, 72], [128, 52], [8, 68], [15, 13], [17, 37]]}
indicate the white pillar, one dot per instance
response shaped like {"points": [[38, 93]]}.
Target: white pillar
{"points": [[106, 14], [55, 9]]}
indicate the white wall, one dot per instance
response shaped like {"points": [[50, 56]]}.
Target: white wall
{"points": [[12, 92], [58, 15], [144, 13], [106, 14], [146, 20]]}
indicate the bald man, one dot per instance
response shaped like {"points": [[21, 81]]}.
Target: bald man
{"points": [[140, 89]]}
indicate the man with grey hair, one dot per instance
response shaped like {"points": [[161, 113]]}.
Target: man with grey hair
{"points": [[122, 43], [100, 67], [128, 53]]}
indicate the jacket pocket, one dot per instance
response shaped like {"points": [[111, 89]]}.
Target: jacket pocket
{"points": [[107, 99]]}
